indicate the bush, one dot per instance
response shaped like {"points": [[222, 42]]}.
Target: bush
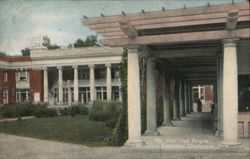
{"points": [[106, 111], [20, 109], [74, 109], [41, 110]]}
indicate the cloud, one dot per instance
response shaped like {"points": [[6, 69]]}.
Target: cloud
{"points": [[13, 45], [47, 17]]}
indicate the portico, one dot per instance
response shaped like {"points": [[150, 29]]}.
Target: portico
{"points": [[195, 46]]}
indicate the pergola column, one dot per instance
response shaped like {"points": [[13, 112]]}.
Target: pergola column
{"points": [[181, 109], [151, 99], [186, 97], [45, 85], [166, 100], [175, 102], [219, 132], [134, 99], [190, 98], [230, 93], [76, 91], [108, 81], [60, 84], [92, 82]]}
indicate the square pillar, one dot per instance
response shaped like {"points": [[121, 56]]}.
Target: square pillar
{"points": [[230, 93], [92, 83], [151, 99], [60, 84], [45, 85], [76, 91], [175, 100], [134, 99], [108, 82]]}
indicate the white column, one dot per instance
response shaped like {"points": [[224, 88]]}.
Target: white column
{"points": [[166, 100], [230, 93], [151, 99], [134, 99], [186, 97], [120, 93], [45, 85], [175, 104], [60, 84], [92, 83], [181, 109], [76, 91], [219, 132], [191, 98], [108, 81], [199, 91], [69, 92]]}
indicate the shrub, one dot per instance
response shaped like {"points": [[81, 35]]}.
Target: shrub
{"points": [[19, 109], [74, 109], [64, 111], [41, 110], [106, 111]]}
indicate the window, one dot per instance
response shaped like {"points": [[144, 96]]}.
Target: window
{"points": [[5, 96], [101, 93], [66, 95], [23, 95], [84, 94], [83, 75], [115, 93], [5, 78], [23, 76]]}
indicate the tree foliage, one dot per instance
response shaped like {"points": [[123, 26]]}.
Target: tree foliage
{"points": [[2, 54], [25, 52], [47, 43], [91, 40]]}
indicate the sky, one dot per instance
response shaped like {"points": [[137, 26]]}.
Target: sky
{"points": [[24, 22]]}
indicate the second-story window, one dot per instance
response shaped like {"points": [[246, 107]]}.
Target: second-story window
{"points": [[5, 77], [23, 76]]}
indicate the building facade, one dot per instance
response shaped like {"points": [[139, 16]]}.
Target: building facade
{"points": [[61, 77]]}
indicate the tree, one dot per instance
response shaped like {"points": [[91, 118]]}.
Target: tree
{"points": [[25, 52], [46, 43], [2, 54], [91, 40]]}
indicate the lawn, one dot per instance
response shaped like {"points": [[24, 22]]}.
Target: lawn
{"points": [[69, 129]]}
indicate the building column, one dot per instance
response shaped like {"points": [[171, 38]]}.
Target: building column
{"points": [[191, 98], [92, 82], [69, 93], [219, 131], [60, 84], [108, 81], [151, 99], [120, 93], [186, 97], [199, 92], [181, 105], [166, 100], [230, 93], [76, 91], [45, 85], [134, 99], [175, 102]]}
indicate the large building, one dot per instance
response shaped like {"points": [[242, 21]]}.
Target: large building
{"points": [[61, 77]]}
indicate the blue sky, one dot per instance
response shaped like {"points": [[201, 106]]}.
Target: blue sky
{"points": [[23, 21]]}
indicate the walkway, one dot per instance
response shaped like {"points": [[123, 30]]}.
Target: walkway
{"points": [[193, 132], [170, 145]]}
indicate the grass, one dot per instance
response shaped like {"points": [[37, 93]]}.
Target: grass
{"points": [[69, 129]]}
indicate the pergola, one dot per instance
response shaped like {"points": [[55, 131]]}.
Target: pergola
{"points": [[201, 44]]}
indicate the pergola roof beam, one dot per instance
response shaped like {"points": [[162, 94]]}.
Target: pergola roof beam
{"points": [[232, 20], [128, 29], [174, 38]]}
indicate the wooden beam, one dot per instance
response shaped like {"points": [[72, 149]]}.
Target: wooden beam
{"points": [[128, 29], [186, 53], [167, 13], [176, 38], [232, 19]]}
